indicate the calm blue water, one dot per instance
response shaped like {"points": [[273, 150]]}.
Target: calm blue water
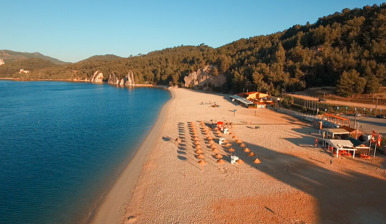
{"points": [[63, 144]]}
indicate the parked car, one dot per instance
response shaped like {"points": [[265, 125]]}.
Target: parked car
{"points": [[381, 116]]}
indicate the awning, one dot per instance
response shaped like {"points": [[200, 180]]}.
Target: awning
{"points": [[242, 100]]}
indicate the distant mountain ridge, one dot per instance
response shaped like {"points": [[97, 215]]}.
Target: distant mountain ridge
{"points": [[11, 56]]}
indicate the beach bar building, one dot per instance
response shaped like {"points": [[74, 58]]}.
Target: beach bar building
{"points": [[341, 145], [253, 99], [335, 133]]}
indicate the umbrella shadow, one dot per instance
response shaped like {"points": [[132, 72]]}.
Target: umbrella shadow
{"points": [[166, 138], [183, 158]]}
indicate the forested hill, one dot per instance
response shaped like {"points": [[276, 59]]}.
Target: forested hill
{"points": [[346, 50], [12, 56]]}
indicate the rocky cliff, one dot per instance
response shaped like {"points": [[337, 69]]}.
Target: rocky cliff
{"points": [[204, 78], [128, 80], [113, 80], [97, 77]]}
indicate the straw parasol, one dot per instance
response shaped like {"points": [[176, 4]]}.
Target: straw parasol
{"points": [[251, 154], [242, 145], [212, 146], [228, 145], [234, 136], [200, 156], [240, 161], [216, 128], [209, 137], [246, 150], [225, 141], [211, 142], [238, 141], [196, 142], [218, 156], [215, 150], [231, 150], [198, 147], [196, 139], [202, 163], [257, 161], [199, 151]]}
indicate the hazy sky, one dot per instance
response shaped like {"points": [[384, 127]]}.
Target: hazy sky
{"points": [[73, 30]]}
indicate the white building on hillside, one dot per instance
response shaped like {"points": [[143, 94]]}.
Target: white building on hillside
{"points": [[2, 62]]}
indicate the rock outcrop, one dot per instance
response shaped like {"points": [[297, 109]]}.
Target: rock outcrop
{"points": [[113, 80], [122, 82], [97, 77], [203, 78], [130, 79]]}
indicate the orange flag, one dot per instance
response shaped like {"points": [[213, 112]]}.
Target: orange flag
{"points": [[379, 140], [373, 136]]}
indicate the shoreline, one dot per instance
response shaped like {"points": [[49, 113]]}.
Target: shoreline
{"points": [[111, 209], [74, 81]]}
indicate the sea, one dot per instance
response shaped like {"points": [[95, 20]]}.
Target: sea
{"points": [[63, 144]]}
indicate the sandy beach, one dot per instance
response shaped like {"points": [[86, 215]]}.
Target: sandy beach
{"points": [[294, 183]]}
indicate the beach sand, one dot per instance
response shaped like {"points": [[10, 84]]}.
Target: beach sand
{"points": [[294, 183]]}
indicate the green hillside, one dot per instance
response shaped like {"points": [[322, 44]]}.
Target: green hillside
{"points": [[11, 56], [346, 50]]}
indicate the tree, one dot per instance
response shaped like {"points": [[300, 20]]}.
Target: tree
{"points": [[372, 85], [350, 83]]}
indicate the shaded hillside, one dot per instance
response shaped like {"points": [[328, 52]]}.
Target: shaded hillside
{"points": [[346, 50]]}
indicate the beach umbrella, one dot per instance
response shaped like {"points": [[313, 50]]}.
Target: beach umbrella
{"points": [[220, 134], [251, 154], [231, 150], [238, 141], [200, 156], [178, 140], [228, 145], [202, 163], [257, 161], [220, 161], [218, 156], [209, 137], [225, 141], [198, 147], [211, 142], [199, 151], [242, 145], [196, 139], [246, 150], [196, 142], [215, 150], [212, 146], [234, 136], [240, 161]]}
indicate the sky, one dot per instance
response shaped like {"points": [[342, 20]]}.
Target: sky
{"points": [[73, 30]]}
